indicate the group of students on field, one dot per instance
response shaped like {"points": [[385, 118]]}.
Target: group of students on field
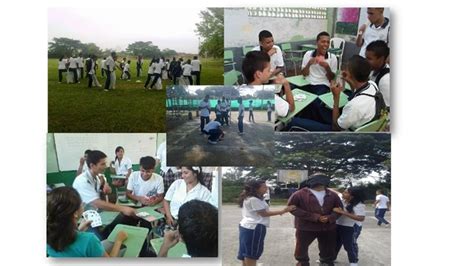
{"points": [[191, 215], [333, 218], [183, 72]]}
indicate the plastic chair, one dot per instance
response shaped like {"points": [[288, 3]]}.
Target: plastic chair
{"points": [[229, 58], [245, 50], [374, 126], [232, 77], [336, 46]]}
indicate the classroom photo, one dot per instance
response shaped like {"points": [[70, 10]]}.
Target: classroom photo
{"points": [[333, 64], [113, 195], [220, 125], [325, 202], [110, 75]]}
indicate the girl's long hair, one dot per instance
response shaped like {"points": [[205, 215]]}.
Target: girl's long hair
{"points": [[117, 150], [358, 196], [250, 190], [62, 203], [199, 174]]}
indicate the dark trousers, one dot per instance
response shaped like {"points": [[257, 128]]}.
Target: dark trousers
{"points": [[269, 115], [357, 231], [219, 118], [175, 79], [107, 81], [241, 124], [127, 75], [204, 121], [190, 79], [345, 237], [89, 76], [379, 214], [214, 134], [198, 77], [148, 78], [251, 118], [155, 79], [60, 72], [81, 72], [326, 245], [225, 118], [74, 73], [139, 71], [102, 72]]}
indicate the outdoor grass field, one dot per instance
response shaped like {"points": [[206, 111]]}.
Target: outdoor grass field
{"points": [[128, 108]]}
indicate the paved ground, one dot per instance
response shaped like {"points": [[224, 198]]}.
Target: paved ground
{"points": [[185, 146], [374, 241]]}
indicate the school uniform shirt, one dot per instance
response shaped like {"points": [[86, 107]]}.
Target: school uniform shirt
{"points": [[149, 188], [282, 107], [187, 68], [80, 62], [250, 107], [126, 67], [383, 200], [211, 125], [62, 64], [86, 244], [196, 65], [276, 60], [87, 186], [241, 110], [250, 217], [374, 33], [177, 195], [85, 167], [121, 168], [102, 64], [269, 107], [72, 63], [151, 68], [110, 63], [384, 85], [317, 73], [359, 210], [204, 108], [218, 109], [360, 110], [158, 66]]}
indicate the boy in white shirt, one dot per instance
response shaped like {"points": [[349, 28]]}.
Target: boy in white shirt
{"points": [[378, 29], [187, 69], [215, 132], [377, 53], [196, 70], [241, 116], [62, 68], [266, 42], [73, 68], [145, 186], [204, 112], [251, 117], [110, 71], [126, 71], [382, 205]]}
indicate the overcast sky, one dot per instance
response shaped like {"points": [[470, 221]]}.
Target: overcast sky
{"points": [[115, 28]]}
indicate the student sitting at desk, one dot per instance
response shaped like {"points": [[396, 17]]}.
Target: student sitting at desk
{"points": [[190, 187], [256, 68], [377, 53], [145, 186], [198, 226], [266, 42], [90, 185], [319, 66], [120, 166], [64, 238]]}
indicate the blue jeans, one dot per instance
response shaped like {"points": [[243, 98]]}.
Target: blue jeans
{"points": [[345, 237], [379, 214], [310, 125], [241, 124], [357, 231], [214, 134], [269, 114]]}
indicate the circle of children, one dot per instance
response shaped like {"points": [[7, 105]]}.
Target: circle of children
{"points": [[334, 219], [179, 71], [189, 216], [366, 73], [223, 116]]}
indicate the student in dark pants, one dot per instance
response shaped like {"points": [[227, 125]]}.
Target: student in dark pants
{"points": [[139, 66], [102, 67], [73, 68], [196, 70], [62, 68], [90, 66], [269, 111], [109, 67], [151, 71]]}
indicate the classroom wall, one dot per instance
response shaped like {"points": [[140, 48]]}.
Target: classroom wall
{"points": [[242, 30]]}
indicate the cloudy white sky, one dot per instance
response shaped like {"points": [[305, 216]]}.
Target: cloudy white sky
{"points": [[115, 28]]}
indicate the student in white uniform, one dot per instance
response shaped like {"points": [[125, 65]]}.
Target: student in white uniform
{"points": [[121, 166], [187, 69], [190, 187], [382, 205], [139, 65], [126, 71], [204, 112], [251, 117], [90, 184], [377, 54], [269, 111], [255, 220], [353, 212], [90, 70], [72, 69], [62, 68], [256, 68], [196, 70], [82, 163], [158, 67], [150, 73], [224, 111], [215, 132], [266, 42], [241, 116], [110, 71], [103, 68], [145, 186], [80, 66], [377, 29]]}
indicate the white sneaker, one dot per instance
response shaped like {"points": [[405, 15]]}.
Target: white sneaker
{"points": [[387, 225], [211, 142], [353, 264]]}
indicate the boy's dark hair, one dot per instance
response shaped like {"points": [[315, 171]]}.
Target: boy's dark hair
{"points": [[94, 157], [195, 57], [128, 61], [86, 152], [359, 68], [264, 34], [254, 61], [198, 226], [321, 34], [148, 162], [379, 48]]}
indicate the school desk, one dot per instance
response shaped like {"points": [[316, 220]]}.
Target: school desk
{"points": [[134, 242], [175, 252], [298, 81], [118, 177], [328, 100], [129, 203], [308, 47], [107, 217], [299, 105], [152, 211]]}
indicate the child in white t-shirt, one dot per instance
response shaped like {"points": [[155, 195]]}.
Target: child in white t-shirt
{"points": [[145, 186], [126, 71], [187, 69], [352, 214], [255, 220]]}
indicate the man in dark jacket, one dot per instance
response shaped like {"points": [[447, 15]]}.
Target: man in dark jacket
{"points": [[314, 218]]}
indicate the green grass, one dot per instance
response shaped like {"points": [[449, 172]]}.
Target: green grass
{"points": [[128, 108]]}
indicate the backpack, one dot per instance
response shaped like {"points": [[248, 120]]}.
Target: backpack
{"points": [[380, 107], [380, 75]]}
